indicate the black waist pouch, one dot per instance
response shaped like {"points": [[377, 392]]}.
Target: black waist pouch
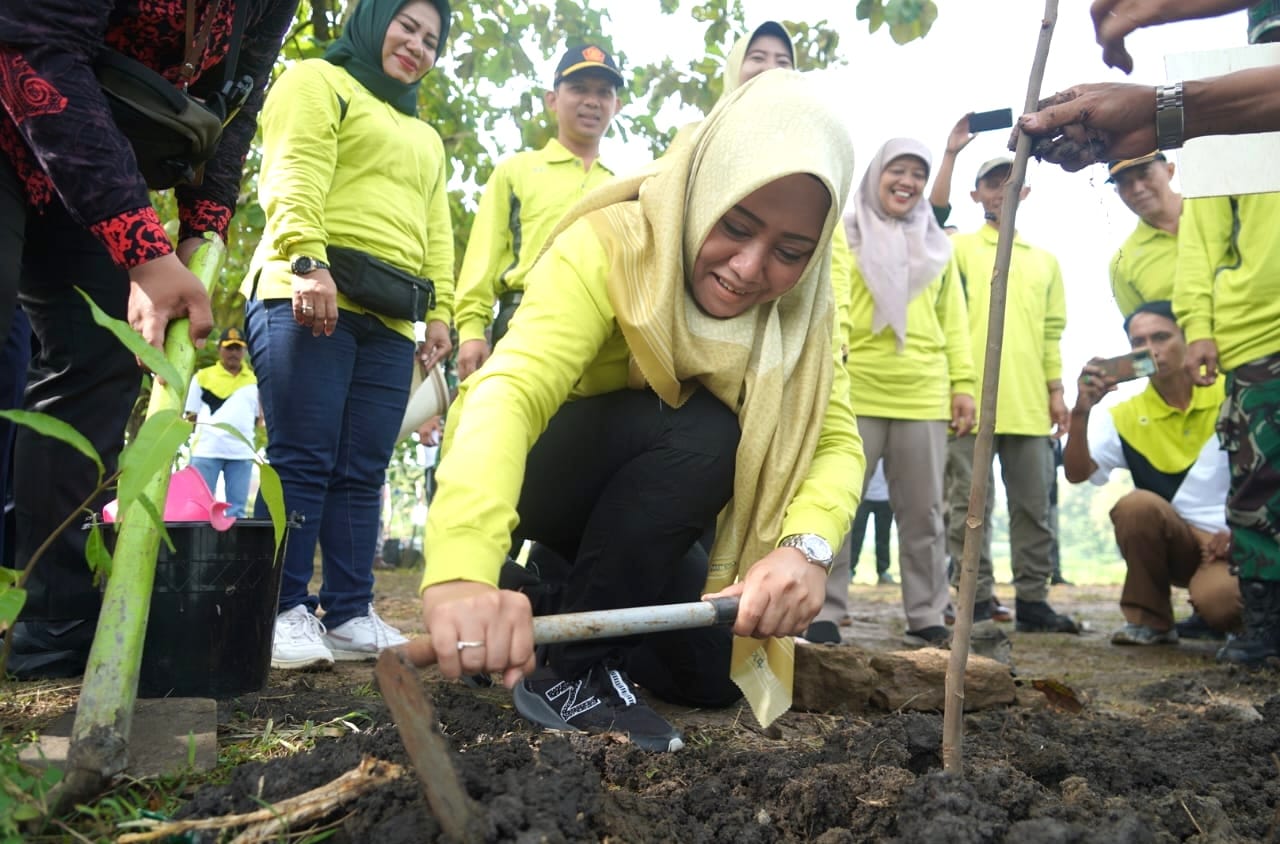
{"points": [[380, 287], [172, 133]]}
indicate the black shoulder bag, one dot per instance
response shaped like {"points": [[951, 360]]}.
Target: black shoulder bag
{"points": [[172, 132]]}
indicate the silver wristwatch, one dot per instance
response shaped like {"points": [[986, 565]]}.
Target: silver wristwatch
{"points": [[814, 547], [1170, 121]]}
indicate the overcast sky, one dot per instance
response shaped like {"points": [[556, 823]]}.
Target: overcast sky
{"points": [[977, 57]]}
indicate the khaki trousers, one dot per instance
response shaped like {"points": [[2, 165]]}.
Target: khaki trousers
{"points": [[914, 454], [1160, 551], [1026, 466]]}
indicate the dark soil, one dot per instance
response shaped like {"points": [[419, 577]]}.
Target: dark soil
{"points": [[1169, 747]]}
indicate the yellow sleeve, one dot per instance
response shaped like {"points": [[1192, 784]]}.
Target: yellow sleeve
{"points": [[505, 406], [828, 497], [439, 262], [299, 153], [1127, 299], [842, 264], [1204, 234], [488, 251], [1055, 322], [953, 316]]}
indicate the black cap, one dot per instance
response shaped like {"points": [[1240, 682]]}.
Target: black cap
{"points": [[1115, 168], [588, 57]]}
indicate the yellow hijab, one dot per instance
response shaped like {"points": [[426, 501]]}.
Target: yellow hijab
{"points": [[773, 364]]}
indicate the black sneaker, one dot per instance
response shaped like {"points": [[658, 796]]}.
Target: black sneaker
{"points": [[600, 700], [1039, 617], [1196, 627], [823, 633]]}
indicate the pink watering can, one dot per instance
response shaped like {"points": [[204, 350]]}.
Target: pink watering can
{"points": [[189, 500]]}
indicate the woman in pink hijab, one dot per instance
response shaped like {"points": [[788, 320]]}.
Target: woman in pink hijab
{"points": [[910, 365]]}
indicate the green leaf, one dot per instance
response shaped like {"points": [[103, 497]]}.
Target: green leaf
{"points": [[150, 454], [234, 431], [12, 600], [43, 423], [272, 493], [158, 521], [151, 357], [95, 551]]}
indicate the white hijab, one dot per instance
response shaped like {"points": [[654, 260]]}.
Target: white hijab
{"points": [[897, 256]]}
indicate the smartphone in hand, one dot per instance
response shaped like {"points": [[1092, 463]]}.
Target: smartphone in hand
{"points": [[1137, 364], [984, 121]]}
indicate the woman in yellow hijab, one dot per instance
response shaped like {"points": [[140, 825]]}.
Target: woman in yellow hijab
{"points": [[672, 360]]}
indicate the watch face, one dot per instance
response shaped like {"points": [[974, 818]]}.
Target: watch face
{"points": [[302, 266]]}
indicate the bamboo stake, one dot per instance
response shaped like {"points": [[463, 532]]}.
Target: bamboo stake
{"points": [[104, 715], [953, 715]]}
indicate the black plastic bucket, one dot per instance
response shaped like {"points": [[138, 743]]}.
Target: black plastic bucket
{"points": [[213, 611]]}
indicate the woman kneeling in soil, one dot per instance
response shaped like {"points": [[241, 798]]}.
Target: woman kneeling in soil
{"points": [[672, 359]]}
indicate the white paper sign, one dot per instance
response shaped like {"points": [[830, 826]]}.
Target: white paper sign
{"points": [[1227, 165]]}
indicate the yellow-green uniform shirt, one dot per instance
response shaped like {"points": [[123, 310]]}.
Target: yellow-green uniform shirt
{"points": [[502, 410], [1228, 286], [373, 179], [522, 202], [1035, 316], [1144, 267], [934, 363]]}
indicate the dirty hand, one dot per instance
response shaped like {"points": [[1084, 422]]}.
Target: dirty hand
{"points": [[781, 595], [163, 290], [471, 356], [1113, 20], [960, 135], [315, 302], [436, 347], [1218, 547], [1092, 385], [1086, 124], [476, 628], [1202, 354], [962, 414]]}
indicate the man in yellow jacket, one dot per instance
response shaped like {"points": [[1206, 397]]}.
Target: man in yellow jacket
{"points": [[1143, 268], [1227, 299], [527, 195], [1030, 404]]}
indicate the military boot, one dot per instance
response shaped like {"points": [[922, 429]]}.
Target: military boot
{"points": [[1260, 640]]}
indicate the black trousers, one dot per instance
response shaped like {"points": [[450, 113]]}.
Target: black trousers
{"points": [[79, 373], [621, 486], [883, 515]]}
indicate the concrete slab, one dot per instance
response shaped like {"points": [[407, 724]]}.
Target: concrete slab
{"points": [[168, 736]]}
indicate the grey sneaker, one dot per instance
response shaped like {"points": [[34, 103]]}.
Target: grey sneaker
{"points": [[600, 700], [928, 637], [1140, 634]]}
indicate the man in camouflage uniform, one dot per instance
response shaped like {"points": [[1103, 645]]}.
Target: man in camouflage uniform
{"points": [[1227, 298]]}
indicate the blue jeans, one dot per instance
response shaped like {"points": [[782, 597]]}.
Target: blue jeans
{"points": [[333, 407], [236, 475]]}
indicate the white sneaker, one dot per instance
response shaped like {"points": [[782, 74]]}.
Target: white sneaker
{"points": [[362, 637], [298, 641]]}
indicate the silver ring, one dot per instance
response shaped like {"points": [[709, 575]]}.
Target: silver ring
{"points": [[465, 645], [306, 309]]}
